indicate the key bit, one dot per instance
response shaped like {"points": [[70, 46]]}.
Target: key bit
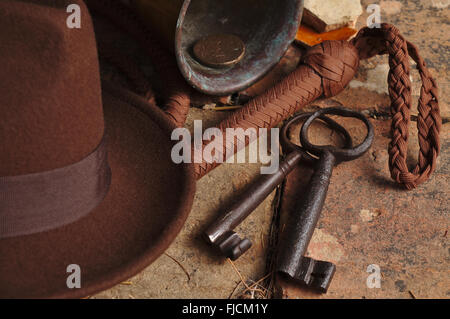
{"points": [[315, 274], [220, 233], [232, 246]]}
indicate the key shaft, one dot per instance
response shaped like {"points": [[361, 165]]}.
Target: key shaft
{"points": [[220, 232], [300, 228]]}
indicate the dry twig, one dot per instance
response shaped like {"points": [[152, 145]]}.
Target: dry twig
{"points": [[126, 283], [179, 264], [238, 284], [239, 273], [257, 284]]}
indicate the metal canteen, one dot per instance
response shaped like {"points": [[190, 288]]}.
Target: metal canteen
{"points": [[250, 35]]}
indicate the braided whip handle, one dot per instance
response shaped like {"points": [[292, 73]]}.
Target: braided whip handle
{"points": [[326, 69]]}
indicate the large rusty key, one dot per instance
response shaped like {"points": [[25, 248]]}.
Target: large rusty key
{"points": [[220, 234], [303, 219]]}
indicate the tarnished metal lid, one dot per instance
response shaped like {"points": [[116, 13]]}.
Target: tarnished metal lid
{"points": [[225, 46]]}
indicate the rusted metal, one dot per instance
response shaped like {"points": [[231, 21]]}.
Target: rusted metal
{"points": [[302, 221], [219, 50], [266, 27], [220, 234]]}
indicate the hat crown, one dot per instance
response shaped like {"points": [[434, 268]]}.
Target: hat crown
{"points": [[51, 111]]}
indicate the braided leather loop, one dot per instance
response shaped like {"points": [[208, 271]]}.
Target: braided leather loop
{"points": [[326, 70], [387, 39], [334, 64]]}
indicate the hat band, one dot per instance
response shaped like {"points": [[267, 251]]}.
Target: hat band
{"points": [[38, 202]]}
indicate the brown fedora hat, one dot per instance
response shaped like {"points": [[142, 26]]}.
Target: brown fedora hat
{"points": [[86, 176]]}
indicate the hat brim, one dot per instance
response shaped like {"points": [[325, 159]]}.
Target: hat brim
{"points": [[148, 202]]}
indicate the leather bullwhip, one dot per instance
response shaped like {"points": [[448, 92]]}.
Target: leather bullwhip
{"points": [[325, 70]]}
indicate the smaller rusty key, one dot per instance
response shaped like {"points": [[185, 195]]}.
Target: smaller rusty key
{"points": [[220, 233], [302, 221]]}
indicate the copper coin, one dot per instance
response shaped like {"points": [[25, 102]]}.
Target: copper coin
{"points": [[219, 50]]}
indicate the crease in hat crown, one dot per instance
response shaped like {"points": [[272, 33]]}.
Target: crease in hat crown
{"points": [[51, 112]]}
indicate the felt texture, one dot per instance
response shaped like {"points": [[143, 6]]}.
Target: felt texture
{"points": [[52, 114], [147, 204]]}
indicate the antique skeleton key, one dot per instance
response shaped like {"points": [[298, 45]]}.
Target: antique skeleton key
{"points": [[303, 219], [220, 234]]}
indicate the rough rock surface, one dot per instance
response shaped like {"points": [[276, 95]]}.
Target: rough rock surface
{"points": [[366, 220], [324, 16]]}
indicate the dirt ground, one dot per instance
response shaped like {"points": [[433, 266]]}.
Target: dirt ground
{"points": [[367, 220]]}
